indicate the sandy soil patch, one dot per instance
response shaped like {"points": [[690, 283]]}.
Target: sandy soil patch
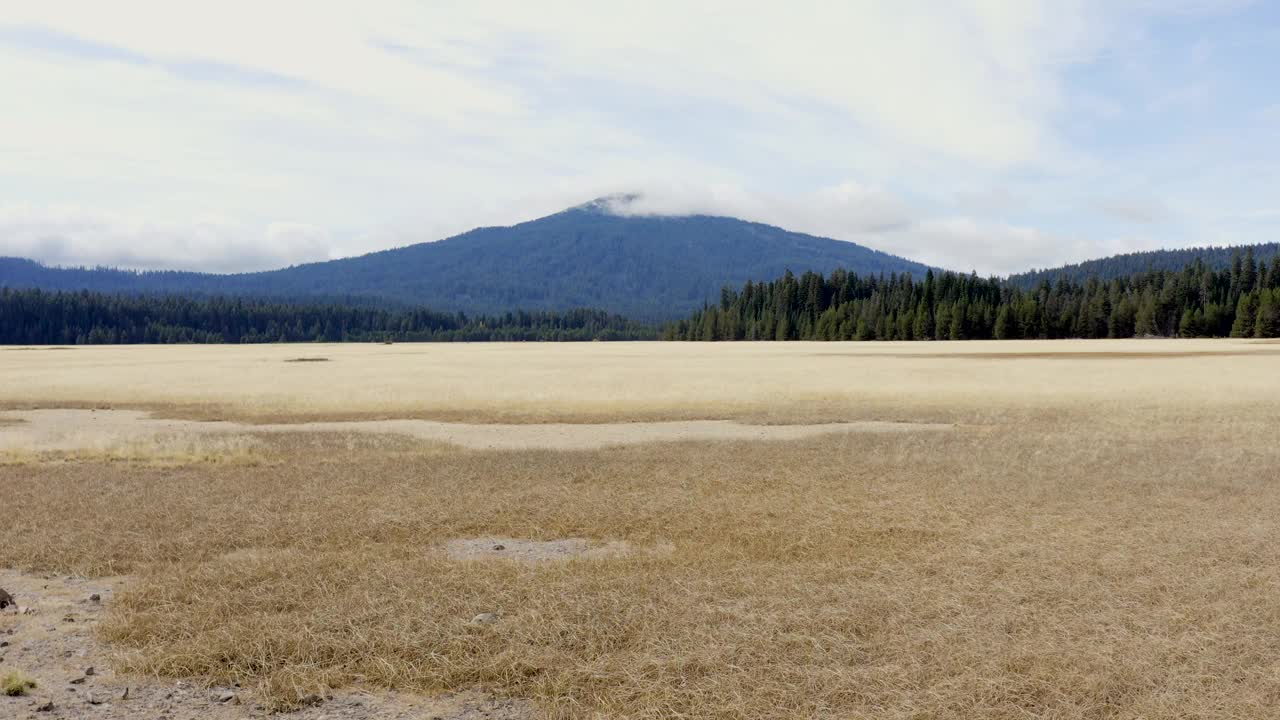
{"points": [[51, 641], [532, 551], [74, 430]]}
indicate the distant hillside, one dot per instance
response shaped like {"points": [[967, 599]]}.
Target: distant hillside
{"points": [[1109, 268], [648, 268]]}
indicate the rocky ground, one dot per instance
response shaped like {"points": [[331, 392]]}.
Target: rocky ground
{"points": [[48, 637]]}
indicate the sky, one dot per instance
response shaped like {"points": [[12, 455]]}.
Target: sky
{"points": [[983, 135]]}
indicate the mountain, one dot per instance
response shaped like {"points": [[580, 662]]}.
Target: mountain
{"points": [[643, 267], [1127, 264]]}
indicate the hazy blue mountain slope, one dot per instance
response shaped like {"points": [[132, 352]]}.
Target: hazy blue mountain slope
{"points": [[641, 267]]}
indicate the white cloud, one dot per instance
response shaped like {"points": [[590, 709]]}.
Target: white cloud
{"points": [[844, 210], [954, 242], [323, 44], [73, 236], [948, 132], [1136, 210], [878, 219]]}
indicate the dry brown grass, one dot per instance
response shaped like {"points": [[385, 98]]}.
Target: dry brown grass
{"points": [[1121, 567], [1108, 551]]}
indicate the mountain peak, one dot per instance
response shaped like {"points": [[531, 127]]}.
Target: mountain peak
{"points": [[615, 204], [606, 254]]}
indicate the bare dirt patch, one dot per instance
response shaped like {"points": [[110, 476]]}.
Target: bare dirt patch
{"points": [[75, 429], [532, 551], [51, 639]]}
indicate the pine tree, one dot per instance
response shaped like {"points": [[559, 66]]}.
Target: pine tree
{"points": [[1122, 320], [1268, 322], [1145, 320], [1248, 272], [1006, 326], [905, 322], [784, 328], [942, 322], [923, 327], [863, 331], [1190, 325], [1236, 272], [1246, 320]]}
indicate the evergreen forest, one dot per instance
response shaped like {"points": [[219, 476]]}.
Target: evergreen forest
{"points": [[1242, 300], [39, 317]]}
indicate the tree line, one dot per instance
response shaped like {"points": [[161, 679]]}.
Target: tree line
{"points": [[1242, 300], [38, 317], [1129, 264]]}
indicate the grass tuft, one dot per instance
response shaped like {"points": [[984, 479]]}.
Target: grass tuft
{"points": [[16, 683]]}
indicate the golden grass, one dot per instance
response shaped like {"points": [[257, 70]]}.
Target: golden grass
{"points": [[605, 382], [165, 449], [1111, 554]]}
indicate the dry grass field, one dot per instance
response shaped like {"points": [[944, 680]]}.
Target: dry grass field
{"points": [[1097, 537], [608, 382]]}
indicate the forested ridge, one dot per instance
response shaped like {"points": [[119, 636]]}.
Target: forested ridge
{"points": [[1129, 264], [38, 317], [1242, 300]]}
